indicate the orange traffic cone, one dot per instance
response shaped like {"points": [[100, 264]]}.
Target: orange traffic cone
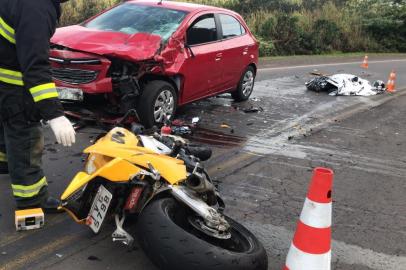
{"points": [[311, 245], [390, 86], [365, 63]]}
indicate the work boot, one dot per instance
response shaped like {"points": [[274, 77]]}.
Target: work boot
{"points": [[50, 205]]}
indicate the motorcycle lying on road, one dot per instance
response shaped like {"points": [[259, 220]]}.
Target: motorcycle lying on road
{"points": [[179, 212]]}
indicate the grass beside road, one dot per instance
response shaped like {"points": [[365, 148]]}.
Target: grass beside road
{"points": [[333, 55]]}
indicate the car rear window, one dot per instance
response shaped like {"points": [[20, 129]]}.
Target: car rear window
{"points": [[231, 26], [133, 18]]}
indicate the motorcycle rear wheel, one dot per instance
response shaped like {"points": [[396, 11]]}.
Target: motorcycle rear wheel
{"points": [[172, 243]]}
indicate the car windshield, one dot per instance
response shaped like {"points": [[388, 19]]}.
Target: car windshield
{"points": [[132, 18]]}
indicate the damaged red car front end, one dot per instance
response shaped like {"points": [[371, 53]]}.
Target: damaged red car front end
{"points": [[86, 70], [155, 57], [96, 60]]}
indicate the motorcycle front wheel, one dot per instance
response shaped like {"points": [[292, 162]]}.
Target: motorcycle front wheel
{"points": [[168, 239]]}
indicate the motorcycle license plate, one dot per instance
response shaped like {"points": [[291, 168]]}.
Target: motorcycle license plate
{"points": [[99, 208]]}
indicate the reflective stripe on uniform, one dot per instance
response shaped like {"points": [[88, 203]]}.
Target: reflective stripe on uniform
{"points": [[29, 191], [44, 91], [3, 157], [11, 77], [7, 31]]}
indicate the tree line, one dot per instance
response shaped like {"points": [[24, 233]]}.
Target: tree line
{"points": [[291, 27]]}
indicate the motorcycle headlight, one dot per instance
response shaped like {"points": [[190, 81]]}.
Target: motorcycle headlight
{"points": [[90, 167]]}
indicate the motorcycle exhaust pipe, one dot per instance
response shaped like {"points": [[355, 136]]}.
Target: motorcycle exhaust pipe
{"points": [[194, 182]]}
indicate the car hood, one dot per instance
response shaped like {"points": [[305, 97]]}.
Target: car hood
{"points": [[140, 46]]}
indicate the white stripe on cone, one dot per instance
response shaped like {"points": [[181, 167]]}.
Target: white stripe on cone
{"points": [[299, 260], [317, 215]]}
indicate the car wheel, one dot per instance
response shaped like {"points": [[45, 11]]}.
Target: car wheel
{"points": [[158, 100], [245, 85]]}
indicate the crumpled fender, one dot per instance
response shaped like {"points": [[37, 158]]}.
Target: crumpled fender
{"points": [[127, 159], [117, 170], [171, 169]]}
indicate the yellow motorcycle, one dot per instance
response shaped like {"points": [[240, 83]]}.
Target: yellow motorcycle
{"points": [[179, 213]]}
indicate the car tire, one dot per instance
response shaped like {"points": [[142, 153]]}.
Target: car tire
{"points": [[155, 93], [245, 85], [170, 245]]}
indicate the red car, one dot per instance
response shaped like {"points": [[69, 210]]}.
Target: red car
{"points": [[154, 56]]}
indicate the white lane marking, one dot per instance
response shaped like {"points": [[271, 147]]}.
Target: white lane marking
{"points": [[316, 215], [331, 64], [299, 260], [277, 239]]}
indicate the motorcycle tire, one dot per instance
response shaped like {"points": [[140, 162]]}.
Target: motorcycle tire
{"points": [[201, 152], [172, 243]]}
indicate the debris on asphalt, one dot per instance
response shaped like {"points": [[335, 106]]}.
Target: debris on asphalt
{"points": [[59, 255], [93, 258], [181, 130], [380, 85], [317, 73], [255, 99], [345, 85], [178, 122], [195, 120], [166, 129], [3, 253], [253, 109], [224, 126]]}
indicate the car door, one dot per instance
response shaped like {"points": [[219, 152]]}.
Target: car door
{"points": [[202, 65], [235, 43]]}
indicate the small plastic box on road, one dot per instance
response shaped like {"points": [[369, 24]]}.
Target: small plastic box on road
{"points": [[29, 219]]}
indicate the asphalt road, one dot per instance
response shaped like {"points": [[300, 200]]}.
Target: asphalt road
{"points": [[263, 164]]}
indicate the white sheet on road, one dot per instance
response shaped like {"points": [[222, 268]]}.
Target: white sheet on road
{"points": [[350, 85], [344, 85]]}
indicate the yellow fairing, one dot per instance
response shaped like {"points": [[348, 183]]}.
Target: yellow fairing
{"points": [[121, 143], [117, 170]]}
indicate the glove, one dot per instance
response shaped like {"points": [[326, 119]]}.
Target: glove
{"points": [[63, 130]]}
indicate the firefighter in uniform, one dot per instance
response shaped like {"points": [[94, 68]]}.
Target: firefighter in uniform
{"points": [[27, 95]]}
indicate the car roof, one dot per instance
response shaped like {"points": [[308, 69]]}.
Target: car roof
{"points": [[189, 7]]}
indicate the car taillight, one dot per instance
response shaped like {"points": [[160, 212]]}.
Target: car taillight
{"points": [[133, 198]]}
